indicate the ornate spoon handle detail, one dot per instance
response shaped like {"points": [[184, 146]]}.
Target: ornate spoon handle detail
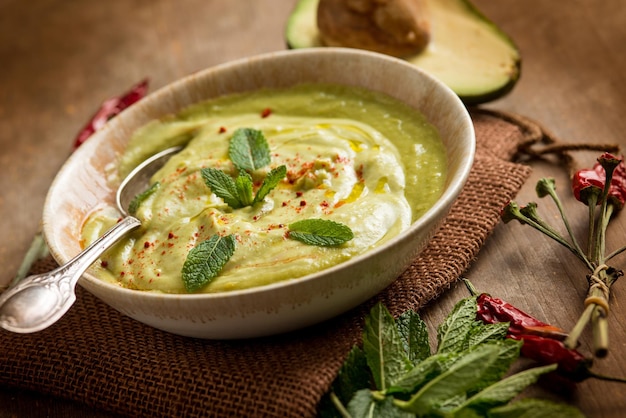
{"points": [[38, 301]]}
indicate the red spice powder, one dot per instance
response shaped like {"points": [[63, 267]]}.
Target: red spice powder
{"points": [[221, 130], [266, 112]]}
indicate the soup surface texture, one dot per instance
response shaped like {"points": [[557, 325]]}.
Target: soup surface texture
{"points": [[352, 156]]}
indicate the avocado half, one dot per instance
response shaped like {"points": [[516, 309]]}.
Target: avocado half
{"points": [[467, 51]]}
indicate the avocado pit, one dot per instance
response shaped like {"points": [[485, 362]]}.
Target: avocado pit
{"points": [[393, 27]]}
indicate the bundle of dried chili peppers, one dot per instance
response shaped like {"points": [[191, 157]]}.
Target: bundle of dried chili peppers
{"points": [[603, 189]]}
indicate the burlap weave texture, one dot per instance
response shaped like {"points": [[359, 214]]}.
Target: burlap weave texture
{"points": [[98, 357]]}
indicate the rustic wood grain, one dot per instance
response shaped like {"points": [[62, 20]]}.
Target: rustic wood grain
{"points": [[60, 59]]}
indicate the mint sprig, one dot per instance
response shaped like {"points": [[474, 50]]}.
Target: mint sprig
{"points": [[206, 260], [270, 182], [248, 149], [320, 232], [465, 377], [238, 193]]}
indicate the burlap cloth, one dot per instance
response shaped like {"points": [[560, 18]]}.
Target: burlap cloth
{"points": [[96, 356]]}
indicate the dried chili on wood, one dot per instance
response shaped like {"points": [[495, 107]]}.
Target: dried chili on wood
{"points": [[544, 350], [542, 342], [491, 310], [110, 108], [589, 181]]}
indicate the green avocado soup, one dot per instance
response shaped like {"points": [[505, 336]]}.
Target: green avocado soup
{"points": [[353, 156]]}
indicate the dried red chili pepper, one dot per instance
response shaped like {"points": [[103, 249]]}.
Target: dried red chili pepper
{"points": [[108, 109], [590, 181], [542, 342], [545, 350], [491, 310]]}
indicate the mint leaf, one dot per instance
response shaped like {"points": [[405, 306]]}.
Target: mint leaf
{"points": [[465, 374], [535, 408], [504, 390], [206, 260], [508, 352], [321, 232], [352, 376], [243, 184], [453, 333], [414, 334], [270, 182], [419, 375], [482, 333], [248, 149], [141, 197], [222, 185], [383, 349]]}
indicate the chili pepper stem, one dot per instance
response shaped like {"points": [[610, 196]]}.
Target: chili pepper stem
{"points": [[591, 203], [600, 326], [606, 378], [616, 253], [470, 286], [339, 406], [513, 211], [608, 212], [551, 191], [571, 341], [37, 250]]}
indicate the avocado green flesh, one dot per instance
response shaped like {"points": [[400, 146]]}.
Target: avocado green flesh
{"points": [[353, 156], [467, 52]]}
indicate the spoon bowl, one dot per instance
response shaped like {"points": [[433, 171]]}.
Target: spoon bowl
{"points": [[38, 301]]}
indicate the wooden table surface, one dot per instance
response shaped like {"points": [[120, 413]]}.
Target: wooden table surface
{"points": [[60, 58]]}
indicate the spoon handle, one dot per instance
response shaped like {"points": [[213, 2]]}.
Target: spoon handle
{"points": [[38, 301]]}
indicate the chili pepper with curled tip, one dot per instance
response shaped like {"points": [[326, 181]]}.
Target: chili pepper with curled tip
{"points": [[110, 108]]}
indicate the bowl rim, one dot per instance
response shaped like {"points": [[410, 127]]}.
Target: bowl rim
{"points": [[445, 200]]}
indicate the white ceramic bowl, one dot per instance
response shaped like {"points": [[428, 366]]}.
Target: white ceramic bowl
{"points": [[80, 186]]}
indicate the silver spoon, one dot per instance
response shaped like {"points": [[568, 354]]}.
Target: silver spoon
{"points": [[38, 301]]}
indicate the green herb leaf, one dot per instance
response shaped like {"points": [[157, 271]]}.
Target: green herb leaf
{"points": [[243, 183], [248, 149], [366, 405], [465, 374], [383, 349], [535, 408], [222, 185], [206, 260], [465, 381], [270, 182], [453, 333], [321, 232], [482, 333], [419, 375], [141, 197], [352, 376], [508, 352], [414, 334], [504, 390]]}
